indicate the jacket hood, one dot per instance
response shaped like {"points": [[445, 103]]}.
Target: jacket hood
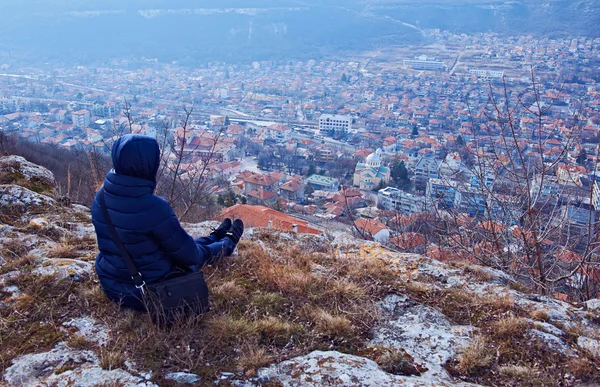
{"points": [[137, 156]]}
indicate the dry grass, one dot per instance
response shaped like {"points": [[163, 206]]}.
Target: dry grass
{"points": [[465, 308], [476, 272], [275, 331], [509, 328], [266, 304], [395, 361], [517, 372], [63, 250], [539, 315], [331, 325], [13, 249], [110, 360], [24, 263], [253, 358], [76, 341], [476, 358], [271, 303]]}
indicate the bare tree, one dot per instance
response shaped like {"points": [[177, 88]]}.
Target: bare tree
{"points": [[519, 205]]}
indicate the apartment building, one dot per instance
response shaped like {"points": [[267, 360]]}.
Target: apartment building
{"points": [[334, 125]]}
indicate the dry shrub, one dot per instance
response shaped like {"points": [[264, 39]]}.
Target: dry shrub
{"points": [[476, 358]]}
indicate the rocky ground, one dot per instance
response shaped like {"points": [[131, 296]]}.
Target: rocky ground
{"points": [[288, 310]]}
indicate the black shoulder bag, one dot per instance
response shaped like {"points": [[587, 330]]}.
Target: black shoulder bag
{"points": [[168, 299]]}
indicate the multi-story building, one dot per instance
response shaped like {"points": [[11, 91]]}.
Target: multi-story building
{"points": [[323, 183], [444, 193], [334, 125], [487, 75], [393, 199], [9, 105], [278, 133], [424, 62], [426, 168], [81, 118]]}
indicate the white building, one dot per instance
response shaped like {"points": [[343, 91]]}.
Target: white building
{"points": [[334, 125], [487, 75], [278, 132], [424, 62], [393, 199], [81, 118]]}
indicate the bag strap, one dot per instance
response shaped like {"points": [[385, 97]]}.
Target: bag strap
{"points": [[133, 271]]}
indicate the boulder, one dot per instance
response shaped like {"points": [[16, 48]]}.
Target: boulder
{"points": [[23, 199], [17, 170]]}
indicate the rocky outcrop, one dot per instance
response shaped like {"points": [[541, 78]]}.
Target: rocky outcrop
{"points": [[332, 368], [46, 241], [17, 170], [66, 367]]}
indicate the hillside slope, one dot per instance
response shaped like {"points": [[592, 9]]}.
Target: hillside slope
{"points": [[287, 310]]}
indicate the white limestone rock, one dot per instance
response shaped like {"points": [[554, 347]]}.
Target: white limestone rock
{"points": [[17, 170], [15, 195], [90, 329], [62, 268], [82, 370], [593, 305], [590, 345], [336, 369], [183, 377], [422, 332], [553, 342]]}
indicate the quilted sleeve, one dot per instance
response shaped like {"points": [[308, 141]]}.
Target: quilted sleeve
{"points": [[176, 243]]}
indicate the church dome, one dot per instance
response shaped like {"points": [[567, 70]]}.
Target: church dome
{"points": [[373, 158]]}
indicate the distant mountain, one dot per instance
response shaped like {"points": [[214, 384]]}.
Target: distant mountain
{"points": [[245, 30]]}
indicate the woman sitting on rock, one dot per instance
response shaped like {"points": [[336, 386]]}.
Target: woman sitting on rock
{"points": [[147, 226]]}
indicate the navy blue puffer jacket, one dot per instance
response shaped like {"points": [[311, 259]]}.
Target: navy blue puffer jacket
{"points": [[145, 223]]}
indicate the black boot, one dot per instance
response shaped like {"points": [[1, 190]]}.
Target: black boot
{"points": [[236, 231], [221, 231]]}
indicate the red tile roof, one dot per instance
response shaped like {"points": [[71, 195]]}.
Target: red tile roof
{"points": [[370, 226], [261, 194], [259, 216]]}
